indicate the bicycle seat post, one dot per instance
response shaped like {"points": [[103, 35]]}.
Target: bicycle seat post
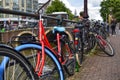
{"points": [[40, 25], [40, 14]]}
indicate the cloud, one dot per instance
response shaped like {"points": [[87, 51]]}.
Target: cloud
{"points": [[93, 8], [95, 3], [42, 1]]}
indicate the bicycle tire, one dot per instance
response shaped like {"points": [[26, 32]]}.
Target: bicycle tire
{"points": [[79, 52], [68, 56], [66, 50], [107, 48], [14, 65], [91, 41], [103, 33], [56, 66]]}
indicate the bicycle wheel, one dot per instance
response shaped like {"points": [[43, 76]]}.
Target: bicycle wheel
{"points": [[91, 42], [66, 52], [52, 69], [106, 47], [79, 52], [68, 56], [13, 66]]}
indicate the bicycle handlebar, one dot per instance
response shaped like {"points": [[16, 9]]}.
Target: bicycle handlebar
{"points": [[43, 6]]}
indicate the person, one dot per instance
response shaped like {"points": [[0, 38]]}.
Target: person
{"points": [[119, 26], [107, 25], [113, 26], [81, 15]]}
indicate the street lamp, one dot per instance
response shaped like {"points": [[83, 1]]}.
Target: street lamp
{"points": [[85, 9]]}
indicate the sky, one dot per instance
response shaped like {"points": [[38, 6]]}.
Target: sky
{"points": [[42, 1], [93, 7]]}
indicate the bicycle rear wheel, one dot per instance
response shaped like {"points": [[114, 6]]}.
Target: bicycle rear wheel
{"points": [[106, 47], [13, 66], [66, 53], [52, 69], [68, 56], [91, 41], [79, 52]]}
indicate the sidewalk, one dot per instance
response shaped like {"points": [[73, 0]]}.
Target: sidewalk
{"points": [[100, 66]]}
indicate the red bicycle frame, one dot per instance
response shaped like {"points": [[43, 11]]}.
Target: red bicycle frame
{"points": [[45, 43], [102, 41]]}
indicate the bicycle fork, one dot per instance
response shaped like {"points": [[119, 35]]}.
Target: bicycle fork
{"points": [[40, 65]]}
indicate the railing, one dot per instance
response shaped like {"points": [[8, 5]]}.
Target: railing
{"points": [[8, 11]]}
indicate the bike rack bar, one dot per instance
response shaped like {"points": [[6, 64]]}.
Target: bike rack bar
{"points": [[8, 11]]}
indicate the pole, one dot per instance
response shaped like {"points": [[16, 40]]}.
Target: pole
{"points": [[85, 9]]}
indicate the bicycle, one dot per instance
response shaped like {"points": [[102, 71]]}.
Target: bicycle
{"points": [[14, 66], [83, 42], [102, 29], [44, 50], [78, 44], [102, 42], [51, 70]]}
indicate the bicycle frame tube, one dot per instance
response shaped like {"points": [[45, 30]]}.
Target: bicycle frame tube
{"points": [[76, 37], [43, 38], [44, 42], [39, 65], [59, 48], [2, 67], [102, 41]]}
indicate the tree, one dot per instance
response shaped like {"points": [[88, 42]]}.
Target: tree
{"points": [[58, 6], [110, 7]]}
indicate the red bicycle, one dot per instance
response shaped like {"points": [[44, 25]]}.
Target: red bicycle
{"points": [[36, 52], [62, 49]]}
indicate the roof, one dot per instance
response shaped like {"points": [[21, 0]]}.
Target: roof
{"points": [[59, 13]]}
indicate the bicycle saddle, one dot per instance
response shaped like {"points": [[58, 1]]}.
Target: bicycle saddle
{"points": [[80, 26], [58, 29]]}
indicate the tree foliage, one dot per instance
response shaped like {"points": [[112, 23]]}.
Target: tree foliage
{"points": [[58, 6], [110, 7]]}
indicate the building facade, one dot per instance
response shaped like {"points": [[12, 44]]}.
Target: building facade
{"points": [[20, 5]]}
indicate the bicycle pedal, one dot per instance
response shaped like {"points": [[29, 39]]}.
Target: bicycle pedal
{"points": [[71, 42], [71, 57]]}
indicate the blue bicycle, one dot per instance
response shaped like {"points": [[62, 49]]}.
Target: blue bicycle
{"points": [[52, 69], [14, 66]]}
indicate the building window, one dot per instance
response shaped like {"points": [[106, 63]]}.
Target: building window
{"points": [[23, 10], [1, 15], [29, 5], [0, 3], [15, 5], [35, 5], [22, 3], [7, 2], [7, 15], [15, 1]]}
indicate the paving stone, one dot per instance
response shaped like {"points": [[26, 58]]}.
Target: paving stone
{"points": [[100, 66]]}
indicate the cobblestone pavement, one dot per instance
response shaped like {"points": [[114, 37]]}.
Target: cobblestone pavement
{"points": [[100, 66]]}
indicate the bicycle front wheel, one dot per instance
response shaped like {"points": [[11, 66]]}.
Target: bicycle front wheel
{"points": [[13, 66], [106, 47], [52, 69]]}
